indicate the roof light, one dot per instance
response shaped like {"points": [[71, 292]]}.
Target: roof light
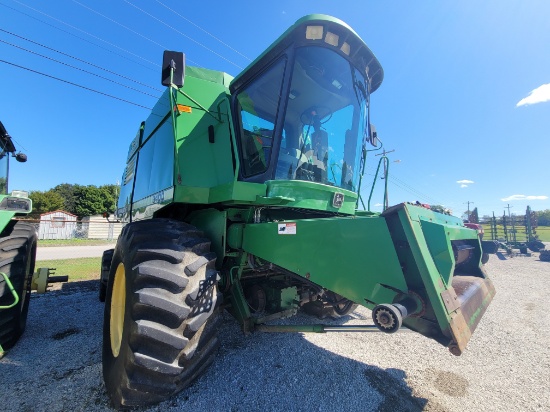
{"points": [[332, 39], [337, 84], [345, 48], [19, 193], [314, 32]]}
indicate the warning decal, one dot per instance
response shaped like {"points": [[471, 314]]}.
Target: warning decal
{"points": [[287, 228]]}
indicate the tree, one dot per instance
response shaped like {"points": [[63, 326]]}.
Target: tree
{"points": [[543, 217], [111, 197], [474, 218], [486, 219], [92, 200], [43, 202], [67, 191]]}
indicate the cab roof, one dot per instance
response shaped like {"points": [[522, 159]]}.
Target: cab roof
{"points": [[359, 53]]}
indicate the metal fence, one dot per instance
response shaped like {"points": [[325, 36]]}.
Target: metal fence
{"points": [[78, 230]]}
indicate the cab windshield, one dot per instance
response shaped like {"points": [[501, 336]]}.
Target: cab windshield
{"points": [[325, 120]]}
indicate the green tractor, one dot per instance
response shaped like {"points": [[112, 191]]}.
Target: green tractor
{"points": [[17, 251], [243, 194]]}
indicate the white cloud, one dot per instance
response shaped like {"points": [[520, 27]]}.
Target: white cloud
{"points": [[464, 183], [523, 197], [540, 95], [378, 205]]}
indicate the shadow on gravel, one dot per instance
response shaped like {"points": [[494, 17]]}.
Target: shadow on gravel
{"points": [[501, 256], [60, 353], [285, 371], [75, 286]]}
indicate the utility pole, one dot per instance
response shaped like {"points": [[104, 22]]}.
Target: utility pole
{"points": [[468, 217], [385, 177], [508, 207], [513, 224]]}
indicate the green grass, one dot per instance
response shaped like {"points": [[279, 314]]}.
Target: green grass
{"points": [[74, 242], [543, 232], [77, 269]]}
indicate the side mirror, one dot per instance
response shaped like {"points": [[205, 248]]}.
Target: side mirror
{"points": [[173, 61], [21, 157], [373, 138]]}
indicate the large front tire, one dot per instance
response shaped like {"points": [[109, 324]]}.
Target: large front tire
{"points": [[106, 260], [17, 260], [159, 329]]}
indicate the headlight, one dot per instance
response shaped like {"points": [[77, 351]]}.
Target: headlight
{"points": [[16, 204]]}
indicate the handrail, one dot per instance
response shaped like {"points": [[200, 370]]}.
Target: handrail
{"points": [[386, 170], [12, 290]]}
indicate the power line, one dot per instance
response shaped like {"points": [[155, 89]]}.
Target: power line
{"points": [[81, 60], [200, 28], [429, 198], [78, 68], [184, 35], [406, 187], [126, 27], [74, 84], [85, 32], [120, 24]]}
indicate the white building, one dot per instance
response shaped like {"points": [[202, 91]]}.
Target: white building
{"points": [[57, 225], [97, 227]]}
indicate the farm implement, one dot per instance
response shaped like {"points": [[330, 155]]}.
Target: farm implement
{"points": [[242, 194]]}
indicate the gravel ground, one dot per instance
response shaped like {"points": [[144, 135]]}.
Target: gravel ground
{"points": [[56, 366]]}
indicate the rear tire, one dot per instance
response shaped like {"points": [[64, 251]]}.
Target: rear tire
{"points": [[17, 260], [160, 323], [106, 260]]}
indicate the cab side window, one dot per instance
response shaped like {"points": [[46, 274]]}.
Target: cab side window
{"points": [[258, 105]]}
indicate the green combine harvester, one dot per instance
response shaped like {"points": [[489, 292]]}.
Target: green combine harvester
{"points": [[243, 194], [17, 251], [18, 242]]}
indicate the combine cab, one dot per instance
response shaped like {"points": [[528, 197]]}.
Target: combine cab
{"points": [[247, 189]]}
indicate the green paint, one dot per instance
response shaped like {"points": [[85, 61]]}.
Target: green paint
{"points": [[12, 290], [227, 155], [350, 256]]}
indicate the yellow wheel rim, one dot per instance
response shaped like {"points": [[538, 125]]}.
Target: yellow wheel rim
{"points": [[118, 303]]}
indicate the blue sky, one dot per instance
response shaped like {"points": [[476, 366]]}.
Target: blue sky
{"points": [[465, 100]]}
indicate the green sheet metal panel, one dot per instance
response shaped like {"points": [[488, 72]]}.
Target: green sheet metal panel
{"points": [[309, 195], [203, 162], [213, 223], [353, 257], [422, 263], [5, 217]]}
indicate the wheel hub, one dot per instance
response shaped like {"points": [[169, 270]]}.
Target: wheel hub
{"points": [[118, 303]]}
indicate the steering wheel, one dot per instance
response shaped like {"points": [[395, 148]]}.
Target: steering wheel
{"points": [[322, 112]]}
